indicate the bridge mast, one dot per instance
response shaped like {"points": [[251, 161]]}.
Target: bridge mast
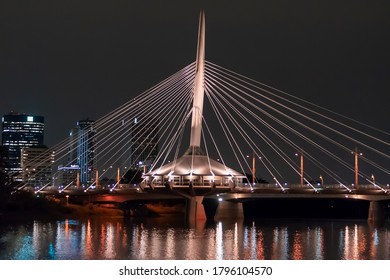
{"points": [[197, 107]]}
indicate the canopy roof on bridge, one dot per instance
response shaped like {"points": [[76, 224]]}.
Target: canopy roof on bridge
{"points": [[198, 164]]}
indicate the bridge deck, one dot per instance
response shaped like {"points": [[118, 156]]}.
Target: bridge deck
{"points": [[232, 193]]}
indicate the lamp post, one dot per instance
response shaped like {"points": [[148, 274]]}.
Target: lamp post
{"points": [[67, 200], [97, 179], [301, 167], [322, 180], [78, 180], [357, 154], [253, 168]]}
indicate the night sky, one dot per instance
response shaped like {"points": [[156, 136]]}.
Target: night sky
{"points": [[68, 60]]}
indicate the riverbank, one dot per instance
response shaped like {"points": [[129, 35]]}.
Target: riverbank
{"points": [[26, 206]]}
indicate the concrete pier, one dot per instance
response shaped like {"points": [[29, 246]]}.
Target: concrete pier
{"points": [[229, 210], [195, 210]]}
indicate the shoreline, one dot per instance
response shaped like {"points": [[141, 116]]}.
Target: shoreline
{"points": [[25, 206]]}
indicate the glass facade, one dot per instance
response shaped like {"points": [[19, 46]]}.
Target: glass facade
{"points": [[36, 164], [68, 175], [144, 148], [86, 150], [3, 162], [20, 131]]}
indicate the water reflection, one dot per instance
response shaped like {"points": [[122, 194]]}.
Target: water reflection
{"points": [[163, 238]]}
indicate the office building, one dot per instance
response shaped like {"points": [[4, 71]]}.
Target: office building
{"points": [[4, 180], [86, 157], [68, 175], [20, 131], [144, 140], [36, 164], [80, 166]]}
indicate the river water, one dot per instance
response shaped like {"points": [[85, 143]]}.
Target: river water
{"points": [[170, 238]]}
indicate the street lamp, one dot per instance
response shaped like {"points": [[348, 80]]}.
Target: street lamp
{"points": [[301, 167], [357, 154], [322, 180], [67, 200], [253, 168]]}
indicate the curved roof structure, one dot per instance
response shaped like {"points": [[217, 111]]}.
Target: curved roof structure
{"points": [[200, 165]]}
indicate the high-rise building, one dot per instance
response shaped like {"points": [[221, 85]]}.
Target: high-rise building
{"points": [[68, 175], [144, 148], [20, 131], [73, 142], [3, 162], [86, 158], [36, 164], [80, 166], [123, 158]]}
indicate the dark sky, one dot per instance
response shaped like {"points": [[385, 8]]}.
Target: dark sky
{"points": [[68, 60]]}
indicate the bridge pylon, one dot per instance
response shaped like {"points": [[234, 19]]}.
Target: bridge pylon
{"points": [[195, 210]]}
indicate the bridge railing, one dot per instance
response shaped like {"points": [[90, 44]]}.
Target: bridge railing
{"points": [[372, 187], [236, 187], [320, 186], [265, 186]]}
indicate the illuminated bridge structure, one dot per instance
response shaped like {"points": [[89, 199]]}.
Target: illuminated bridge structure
{"points": [[229, 203], [237, 128]]}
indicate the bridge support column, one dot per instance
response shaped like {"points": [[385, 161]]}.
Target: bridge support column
{"points": [[195, 210], [229, 210], [375, 212]]}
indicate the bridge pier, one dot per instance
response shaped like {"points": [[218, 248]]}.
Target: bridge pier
{"points": [[194, 209], [375, 212], [229, 210]]}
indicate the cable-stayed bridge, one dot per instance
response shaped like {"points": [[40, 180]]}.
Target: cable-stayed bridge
{"points": [[209, 131]]}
